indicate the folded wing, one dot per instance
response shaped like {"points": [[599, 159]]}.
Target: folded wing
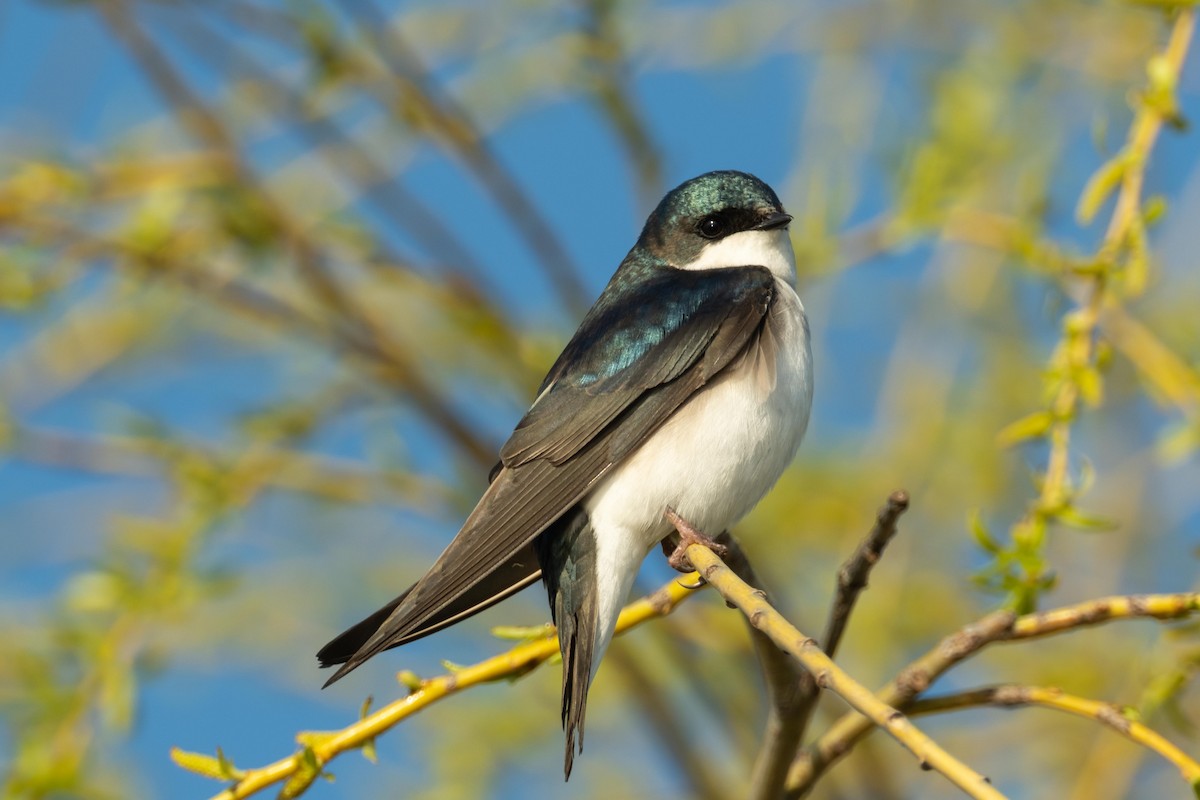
{"points": [[636, 358]]}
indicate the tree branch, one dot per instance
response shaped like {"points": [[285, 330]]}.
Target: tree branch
{"points": [[318, 749], [784, 680], [379, 185], [829, 676], [852, 577], [457, 129], [999, 626], [208, 128], [785, 729], [1074, 377], [1012, 696]]}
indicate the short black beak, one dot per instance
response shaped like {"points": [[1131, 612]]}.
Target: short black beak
{"points": [[775, 220]]}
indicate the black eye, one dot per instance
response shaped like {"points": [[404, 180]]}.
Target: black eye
{"points": [[712, 227]]}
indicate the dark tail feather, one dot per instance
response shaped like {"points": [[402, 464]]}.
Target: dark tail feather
{"points": [[567, 552], [346, 647], [346, 644]]}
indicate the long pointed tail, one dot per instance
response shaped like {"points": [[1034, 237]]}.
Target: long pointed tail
{"points": [[567, 552]]}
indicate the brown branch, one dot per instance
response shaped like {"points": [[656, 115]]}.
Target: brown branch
{"points": [[261, 307], [780, 747], [791, 690], [324, 476], [852, 577], [380, 186], [915, 678], [456, 128], [615, 97], [208, 128]]}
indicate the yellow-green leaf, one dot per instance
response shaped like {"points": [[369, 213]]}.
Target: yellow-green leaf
{"points": [[1154, 209], [981, 533], [1033, 426], [409, 679], [1075, 518], [1091, 386], [1100, 186], [307, 772], [218, 767]]}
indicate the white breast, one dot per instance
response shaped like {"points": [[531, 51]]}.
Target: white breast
{"points": [[713, 460]]}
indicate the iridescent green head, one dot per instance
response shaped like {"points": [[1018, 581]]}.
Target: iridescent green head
{"points": [[707, 210]]}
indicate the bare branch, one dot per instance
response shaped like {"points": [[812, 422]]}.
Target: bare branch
{"points": [[784, 678], [321, 748], [1107, 714], [852, 577], [784, 737], [829, 676], [379, 184], [999, 626], [208, 128], [459, 131]]}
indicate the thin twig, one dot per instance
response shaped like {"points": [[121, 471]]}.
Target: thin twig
{"points": [[613, 93], [320, 475], [322, 748], [1012, 696], [207, 127], [999, 626], [229, 293], [779, 750], [1104, 609], [1076, 353], [830, 676], [457, 129], [852, 577], [378, 184]]}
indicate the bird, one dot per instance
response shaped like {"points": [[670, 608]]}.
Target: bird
{"points": [[683, 395]]}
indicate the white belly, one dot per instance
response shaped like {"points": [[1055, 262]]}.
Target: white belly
{"points": [[712, 461]]}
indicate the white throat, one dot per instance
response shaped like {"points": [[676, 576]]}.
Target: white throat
{"points": [[770, 249]]}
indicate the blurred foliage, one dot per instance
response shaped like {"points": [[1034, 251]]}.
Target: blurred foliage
{"points": [[1002, 309]]}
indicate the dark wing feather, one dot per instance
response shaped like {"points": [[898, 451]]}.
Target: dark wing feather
{"points": [[615, 370], [512, 576]]}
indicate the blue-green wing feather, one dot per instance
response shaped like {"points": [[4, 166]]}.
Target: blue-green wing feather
{"points": [[639, 355], [643, 337]]}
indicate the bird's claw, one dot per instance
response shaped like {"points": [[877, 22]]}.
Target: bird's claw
{"points": [[688, 536]]}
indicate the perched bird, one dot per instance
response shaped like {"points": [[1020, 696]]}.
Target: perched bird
{"points": [[686, 388]]}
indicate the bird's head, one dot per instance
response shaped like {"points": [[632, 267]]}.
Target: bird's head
{"points": [[721, 219]]}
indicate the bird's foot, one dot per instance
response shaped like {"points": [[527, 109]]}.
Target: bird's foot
{"points": [[676, 552]]}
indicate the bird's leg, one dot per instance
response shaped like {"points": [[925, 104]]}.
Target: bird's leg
{"points": [[675, 546]]}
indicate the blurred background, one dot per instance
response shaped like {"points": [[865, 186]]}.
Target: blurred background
{"points": [[277, 279]]}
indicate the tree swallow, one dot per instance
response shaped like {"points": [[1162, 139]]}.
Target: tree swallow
{"points": [[687, 387]]}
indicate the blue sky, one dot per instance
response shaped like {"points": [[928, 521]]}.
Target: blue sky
{"points": [[67, 90]]}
